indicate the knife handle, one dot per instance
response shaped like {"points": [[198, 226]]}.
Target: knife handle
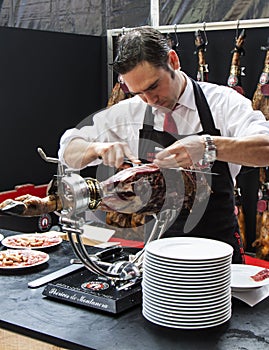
{"points": [[108, 253]]}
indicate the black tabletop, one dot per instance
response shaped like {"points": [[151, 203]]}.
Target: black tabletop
{"points": [[28, 312]]}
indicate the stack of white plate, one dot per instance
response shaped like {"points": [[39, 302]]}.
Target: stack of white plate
{"points": [[186, 282]]}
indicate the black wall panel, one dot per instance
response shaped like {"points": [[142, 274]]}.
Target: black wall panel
{"points": [[49, 82]]}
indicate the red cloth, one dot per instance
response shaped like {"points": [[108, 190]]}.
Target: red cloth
{"points": [[169, 124], [127, 243], [256, 262]]}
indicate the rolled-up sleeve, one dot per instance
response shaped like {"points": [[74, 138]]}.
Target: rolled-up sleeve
{"points": [[119, 123]]}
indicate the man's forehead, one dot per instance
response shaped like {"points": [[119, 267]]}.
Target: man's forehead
{"points": [[142, 77]]}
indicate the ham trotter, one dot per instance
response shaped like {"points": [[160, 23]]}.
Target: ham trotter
{"points": [[28, 205]]}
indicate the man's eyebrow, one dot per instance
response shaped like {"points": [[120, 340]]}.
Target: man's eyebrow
{"points": [[147, 89]]}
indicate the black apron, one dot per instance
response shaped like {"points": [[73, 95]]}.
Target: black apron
{"points": [[218, 220]]}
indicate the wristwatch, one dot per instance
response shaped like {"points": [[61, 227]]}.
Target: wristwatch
{"points": [[210, 153]]}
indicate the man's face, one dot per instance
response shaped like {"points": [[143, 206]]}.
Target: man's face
{"points": [[155, 85]]}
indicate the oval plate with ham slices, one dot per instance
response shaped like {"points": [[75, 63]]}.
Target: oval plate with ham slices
{"points": [[32, 240], [247, 277], [18, 259]]}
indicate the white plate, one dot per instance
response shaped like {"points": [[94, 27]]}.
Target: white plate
{"points": [[31, 240], [187, 326], [183, 323], [170, 313], [33, 258], [1, 237], [241, 276], [194, 298], [186, 309], [187, 318], [183, 282], [187, 263], [181, 308], [189, 248], [164, 271], [189, 300], [177, 291], [185, 278]]}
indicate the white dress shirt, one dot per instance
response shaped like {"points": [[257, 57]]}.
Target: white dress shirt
{"points": [[232, 113]]}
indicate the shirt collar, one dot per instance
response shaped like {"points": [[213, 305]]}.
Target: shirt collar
{"points": [[187, 98]]}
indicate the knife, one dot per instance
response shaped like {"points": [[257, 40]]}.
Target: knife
{"points": [[54, 275], [108, 253]]}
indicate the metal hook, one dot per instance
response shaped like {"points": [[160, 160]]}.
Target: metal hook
{"points": [[237, 30], [177, 42], [206, 41], [45, 158]]}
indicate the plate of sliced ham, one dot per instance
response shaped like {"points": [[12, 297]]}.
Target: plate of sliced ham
{"points": [[32, 240], [248, 277], [17, 259]]}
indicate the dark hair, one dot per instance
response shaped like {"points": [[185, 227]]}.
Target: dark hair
{"points": [[141, 44]]}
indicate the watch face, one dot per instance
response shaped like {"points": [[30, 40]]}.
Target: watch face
{"points": [[210, 153], [210, 156]]}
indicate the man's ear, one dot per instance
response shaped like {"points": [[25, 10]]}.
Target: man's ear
{"points": [[173, 60]]}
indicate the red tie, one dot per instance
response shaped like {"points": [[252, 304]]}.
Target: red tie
{"points": [[169, 124]]}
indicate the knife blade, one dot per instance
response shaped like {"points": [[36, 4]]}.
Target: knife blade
{"points": [[54, 275]]}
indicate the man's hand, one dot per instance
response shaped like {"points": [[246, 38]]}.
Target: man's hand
{"points": [[114, 153], [183, 153]]}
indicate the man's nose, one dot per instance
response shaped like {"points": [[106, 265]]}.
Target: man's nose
{"points": [[149, 98]]}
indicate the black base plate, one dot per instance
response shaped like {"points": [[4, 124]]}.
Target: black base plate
{"points": [[92, 291]]}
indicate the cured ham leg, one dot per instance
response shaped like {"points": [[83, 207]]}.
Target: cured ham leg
{"points": [[28, 205]]}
